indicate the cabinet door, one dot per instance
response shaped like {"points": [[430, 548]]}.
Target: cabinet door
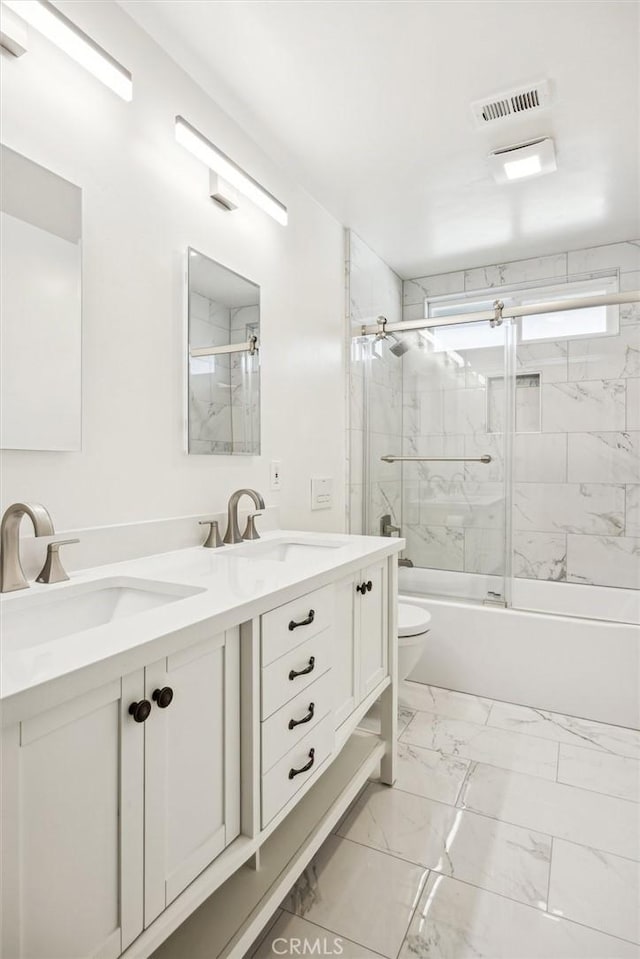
{"points": [[344, 674], [192, 765], [72, 818], [371, 608]]}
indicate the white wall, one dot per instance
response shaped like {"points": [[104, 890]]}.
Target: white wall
{"points": [[145, 201]]}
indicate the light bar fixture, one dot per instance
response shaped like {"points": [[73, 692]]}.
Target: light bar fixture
{"points": [[52, 24], [523, 160], [220, 163]]}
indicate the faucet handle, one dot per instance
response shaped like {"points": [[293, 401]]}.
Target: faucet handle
{"points": [[250, 531], [53, 571], [213, 540]]}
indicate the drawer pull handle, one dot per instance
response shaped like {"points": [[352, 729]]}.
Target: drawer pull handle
{"points": [[307, 669], [140, 711], [298, 722], [304, 622], [304, 769]]}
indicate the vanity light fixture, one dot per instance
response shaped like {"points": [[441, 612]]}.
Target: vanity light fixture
{"points": [[523, 160], [52, 24], [225, 167]]}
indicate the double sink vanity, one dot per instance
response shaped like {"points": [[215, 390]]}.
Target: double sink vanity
{"points": [[181, 733]]}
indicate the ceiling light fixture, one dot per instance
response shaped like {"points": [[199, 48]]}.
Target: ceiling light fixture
{"points": [[225, 167], [52, 24], [523, 160]]}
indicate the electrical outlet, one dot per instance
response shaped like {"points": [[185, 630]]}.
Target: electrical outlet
{"points": [[276, 474]]}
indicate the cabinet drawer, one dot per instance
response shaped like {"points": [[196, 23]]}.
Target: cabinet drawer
{"points": [[278, 738], [279, 634], [292, 673], [279, 785]]}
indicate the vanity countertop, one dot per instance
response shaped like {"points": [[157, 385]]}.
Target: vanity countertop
{"points": [[233, 587]]}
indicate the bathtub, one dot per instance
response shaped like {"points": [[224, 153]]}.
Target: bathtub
{"points": [[569, 658]]}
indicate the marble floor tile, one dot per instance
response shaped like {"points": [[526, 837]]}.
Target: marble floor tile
{"points": [[371, 722], [359, 893], [565, 729], [497, 747], [595, 889], [565, 812], [293, 936], [425, 772], [444, 702], [506, 859], [458, 921], [599, 772]]}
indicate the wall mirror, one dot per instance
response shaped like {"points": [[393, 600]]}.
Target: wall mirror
{"points": [[224, 369], [40, 307]]}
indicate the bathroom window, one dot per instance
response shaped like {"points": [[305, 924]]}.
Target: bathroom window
{"points": [[564, 325]]}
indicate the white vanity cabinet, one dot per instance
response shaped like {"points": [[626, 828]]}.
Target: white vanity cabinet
{"points": [[192, 765], [360, 659], [119, 813], [72, 827]]}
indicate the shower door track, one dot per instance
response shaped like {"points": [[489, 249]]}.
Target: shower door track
{"points": [[501, 312], [436, 459]]}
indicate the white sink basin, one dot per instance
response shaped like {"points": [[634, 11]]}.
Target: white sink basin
{"points": [[290, 550], [40, 618]]}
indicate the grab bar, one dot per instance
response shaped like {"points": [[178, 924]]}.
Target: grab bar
{"points": [[436, 459]]}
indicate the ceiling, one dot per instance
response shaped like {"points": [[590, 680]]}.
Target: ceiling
{"points": [[367, 104]]}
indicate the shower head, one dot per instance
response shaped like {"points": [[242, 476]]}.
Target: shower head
{"points": [[400, 347]]}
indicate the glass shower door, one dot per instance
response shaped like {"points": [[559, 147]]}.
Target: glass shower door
{"points": [[455, 411]]}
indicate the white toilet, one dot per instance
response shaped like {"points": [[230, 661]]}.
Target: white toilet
{"points": [[413, 627]]}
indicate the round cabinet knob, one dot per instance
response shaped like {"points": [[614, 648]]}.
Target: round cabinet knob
{"points": [[140, 711], [163, 697], [368, 586]]}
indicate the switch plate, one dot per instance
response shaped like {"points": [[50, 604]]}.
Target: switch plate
{"points": [[276, 474], [321, 492]]}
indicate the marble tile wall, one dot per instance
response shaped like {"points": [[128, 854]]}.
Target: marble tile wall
{"points": [[576, 495]]}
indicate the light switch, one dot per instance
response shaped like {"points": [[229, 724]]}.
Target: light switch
{"points": [[321, 492]]}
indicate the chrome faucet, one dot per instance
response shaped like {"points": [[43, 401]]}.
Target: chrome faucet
{"points": [[233, 530], [11, 571]]}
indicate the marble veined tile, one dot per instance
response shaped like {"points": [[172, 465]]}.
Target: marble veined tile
{"points": [[593, 508], [540, 556], [604, 560], [428, 773], [540, 458], [464, 411], [359, 893], [484, 551], [444, 702], [496, 856], [422, 287], [632, 526], [566, 729], [293, 936], [456, 737], [548, 359], [599, 772], [633, 404], [606, 357], [516, 271], [604, 457], [612, 256], [459, 921], [596, 889], [564, 812], [435, 547], [581, 407]]}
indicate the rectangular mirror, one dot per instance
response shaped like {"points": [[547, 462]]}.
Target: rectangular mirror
{"points": [[224, 369], [40, 308]]}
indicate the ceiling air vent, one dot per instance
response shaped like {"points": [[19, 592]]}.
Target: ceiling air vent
{"points": [[512, 103]]}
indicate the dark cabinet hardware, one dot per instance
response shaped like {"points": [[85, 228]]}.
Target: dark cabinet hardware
{"points": [[364, 587], [163, 697], [304, 622], [303, 672], [140, 711], [303, 769], [298, 722]]}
